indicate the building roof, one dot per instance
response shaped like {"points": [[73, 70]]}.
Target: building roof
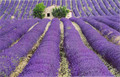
{"points": [[56, 6]]}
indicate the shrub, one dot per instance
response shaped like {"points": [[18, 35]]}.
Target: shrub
{"points": [[38, 11], [60, 12]]}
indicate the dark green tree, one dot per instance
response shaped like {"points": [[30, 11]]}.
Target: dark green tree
{"points": [[38, 11], [60, 12]]}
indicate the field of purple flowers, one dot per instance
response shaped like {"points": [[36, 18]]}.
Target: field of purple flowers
{"points": [[87, 44]]}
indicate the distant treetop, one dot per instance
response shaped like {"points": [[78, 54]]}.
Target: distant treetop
{"points": [[38, 10], [60, 12]]}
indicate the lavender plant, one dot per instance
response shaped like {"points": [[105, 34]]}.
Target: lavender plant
{"points": [[109, 51], [83, 61], [45, 61], [10, 58]]}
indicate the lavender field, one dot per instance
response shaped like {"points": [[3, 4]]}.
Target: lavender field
{"points": [[84, 45]]}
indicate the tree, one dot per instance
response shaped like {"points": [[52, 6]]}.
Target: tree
{"points": [[38, 11], [60, 12]]}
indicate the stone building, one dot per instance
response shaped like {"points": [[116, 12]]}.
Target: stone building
{"points": [[48, 12]]}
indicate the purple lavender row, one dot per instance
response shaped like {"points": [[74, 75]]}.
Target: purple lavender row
{"points": [[34, 4], [114, 19], [12, 5], [8, 25], [114, 6], [53, 2], [26, 15], [80, 9], [109, 51], [7, 39], [58, 2], [63, 3], [4, 8], [8, 10], [49, 3], [39, 1], [97, 8], [30, 3], [2, 4], [13, 9], [16, 14], [45, 62], [23, 10], [20, 4], [18, 9], [103, 7], [76, 12], [4, 23], [68, 4], [27, 10], [108, 7], [110, 23], [117, 3], [73, 4], [105, 30], [95, 13], [74, 8], [88, 12], [45, 2], [83, 61], [10, 58]]}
